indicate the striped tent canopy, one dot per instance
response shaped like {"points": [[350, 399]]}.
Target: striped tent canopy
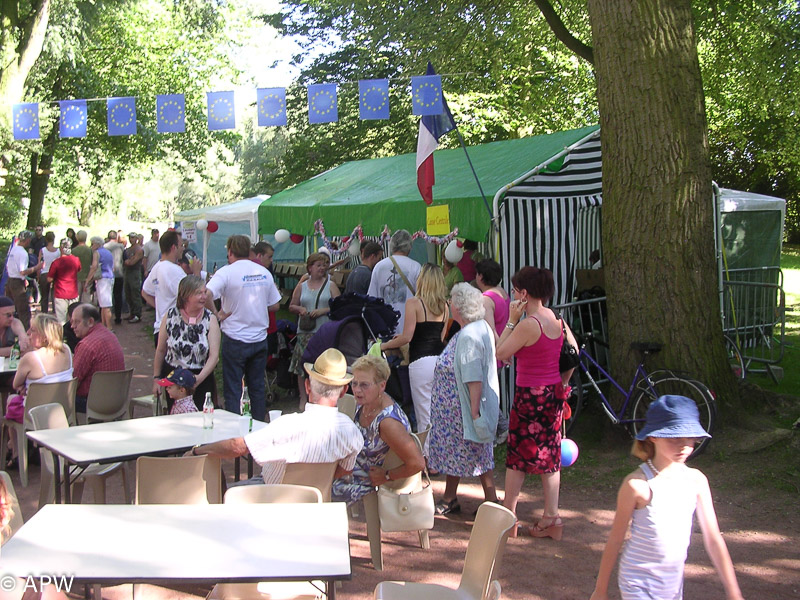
{"points": [[551, 218]]}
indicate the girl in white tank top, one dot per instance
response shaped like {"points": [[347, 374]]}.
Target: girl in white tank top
{"points": [[659, 501]]}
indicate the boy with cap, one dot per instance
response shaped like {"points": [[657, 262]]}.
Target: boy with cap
{"points": [[180, 387]]}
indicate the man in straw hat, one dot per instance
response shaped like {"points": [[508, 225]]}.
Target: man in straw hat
{"points": [[321, 434]]}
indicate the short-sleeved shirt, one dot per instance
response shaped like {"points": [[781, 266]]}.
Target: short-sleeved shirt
{"points": [[387, 283], [475, 360], [183, 406], [99, 350], [162, 283], [247, 291], [116, 250], [106, 262], [17, 262], [84, 254], [152, 253], [64, 273], [358, 280], [321, 434]]}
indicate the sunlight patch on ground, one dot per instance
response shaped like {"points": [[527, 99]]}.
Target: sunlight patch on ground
{"points": [[749, 536]]}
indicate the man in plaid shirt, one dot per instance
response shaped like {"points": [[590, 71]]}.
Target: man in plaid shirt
{"points": [[97, 350]]}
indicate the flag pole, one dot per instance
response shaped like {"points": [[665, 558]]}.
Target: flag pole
{"points": [[474, 174]]}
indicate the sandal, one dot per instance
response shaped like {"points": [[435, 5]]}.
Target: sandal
{"points": [[448, 508], [554, 528]]}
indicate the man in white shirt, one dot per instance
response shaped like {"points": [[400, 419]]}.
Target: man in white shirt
{"points": [[388, 280], [320, 434], [160, 289], [18, 270], [152, 252], [247, 291], [114, 246]]}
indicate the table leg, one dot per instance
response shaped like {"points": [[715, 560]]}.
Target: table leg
{"points": [[57, 477], [67, 483], [249, 466], [330, 589], [237, 470]]}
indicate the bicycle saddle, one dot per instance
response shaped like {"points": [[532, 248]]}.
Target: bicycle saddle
{"points": [[647, 347]]}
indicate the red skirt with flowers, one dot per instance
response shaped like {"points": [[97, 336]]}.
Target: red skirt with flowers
{"points": [[534, 429]]}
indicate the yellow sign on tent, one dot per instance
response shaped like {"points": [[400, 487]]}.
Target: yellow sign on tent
{"points": [[438, 220]]}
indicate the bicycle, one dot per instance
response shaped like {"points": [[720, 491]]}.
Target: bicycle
{"points": [[643, 390]]}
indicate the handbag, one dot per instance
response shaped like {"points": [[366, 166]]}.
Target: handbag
{"points": [[411, 511], [305, 322], [569, 357]]}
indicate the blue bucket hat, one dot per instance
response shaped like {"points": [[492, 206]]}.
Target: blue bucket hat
{"points": [[181, 377], [672, 417]]}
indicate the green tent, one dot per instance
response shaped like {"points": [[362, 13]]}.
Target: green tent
{"points": [[383, 191]]}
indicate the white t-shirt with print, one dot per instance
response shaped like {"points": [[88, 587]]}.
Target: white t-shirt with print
{"points": [[386, 283], [162, 283], [247, 291]]}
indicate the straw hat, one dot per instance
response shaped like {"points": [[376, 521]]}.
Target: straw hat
{"points": [[330, 367]]}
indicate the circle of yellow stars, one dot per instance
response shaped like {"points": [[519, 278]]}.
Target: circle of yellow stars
{"points": [[178, 112], [29, 115], [321, 99], [421, 92], [218, 106], [118, 107], [72, 126], [264, 104], [383, 96]]}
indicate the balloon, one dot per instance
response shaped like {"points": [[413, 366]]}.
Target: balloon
{"points": [[569, 452], [453, 253], [296, 238], [282, 235], [212, 226], [354, 249], [201, 225]]}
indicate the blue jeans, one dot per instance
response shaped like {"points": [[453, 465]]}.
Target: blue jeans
{"points": [[248, 360]]}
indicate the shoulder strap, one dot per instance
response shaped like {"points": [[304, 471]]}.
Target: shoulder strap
{"points": [[539, 323], [402, 275], [424, 310], [319, 293]]}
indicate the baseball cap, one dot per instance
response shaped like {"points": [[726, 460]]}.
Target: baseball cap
{"points": [[181, 377]]}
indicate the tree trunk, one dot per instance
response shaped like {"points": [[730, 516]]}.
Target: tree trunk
{"points": [[658, 231], [41, 169]]}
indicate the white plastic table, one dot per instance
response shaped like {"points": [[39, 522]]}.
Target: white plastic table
{"points": [[119, 441], [169, 544]]}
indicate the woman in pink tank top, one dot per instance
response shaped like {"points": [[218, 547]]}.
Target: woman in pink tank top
{"points": [[488, 276], [534, 336]]}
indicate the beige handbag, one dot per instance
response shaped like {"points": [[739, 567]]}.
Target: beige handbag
{"points": [[412, 511]]}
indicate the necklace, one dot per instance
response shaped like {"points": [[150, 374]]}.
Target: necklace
{"points": [[652, 466]]}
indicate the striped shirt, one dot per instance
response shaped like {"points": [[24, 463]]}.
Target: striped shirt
{"points": [[320, 434]]}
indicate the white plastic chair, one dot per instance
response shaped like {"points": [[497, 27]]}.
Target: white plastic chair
{"points": [[481, 565], [347, 405], [51, 416], [318, 475], [171, 480], [108, 398], [61, 392]]}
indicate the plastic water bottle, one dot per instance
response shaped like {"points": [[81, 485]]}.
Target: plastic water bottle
{"points": [[246, 408], [208, 412], [13, 357]]}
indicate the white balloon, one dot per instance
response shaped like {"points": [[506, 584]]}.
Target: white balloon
{"points": [[354, 249], [453, 253], [201, 225], [282, 235]]}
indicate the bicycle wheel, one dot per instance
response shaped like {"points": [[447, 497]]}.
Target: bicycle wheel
{"points": [[679, 386], [575, 401], [735, 358]]}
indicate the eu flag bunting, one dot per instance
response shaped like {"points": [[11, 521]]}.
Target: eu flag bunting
{"points": [[26, 121], [322, 103], [72, 123], [373, 99], [426, 95], [221, 113], [271, 106], [171, 113], [121, 116]]}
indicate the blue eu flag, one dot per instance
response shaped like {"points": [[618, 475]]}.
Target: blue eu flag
{"points": [[322, 103], [221, 113], [426, 95], [72, 123], [26, 121], [121, 116], [271, 106], [171, 113], [373, 99]]}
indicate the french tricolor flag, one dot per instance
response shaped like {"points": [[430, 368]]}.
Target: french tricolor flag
{"points": [[431, 129]]}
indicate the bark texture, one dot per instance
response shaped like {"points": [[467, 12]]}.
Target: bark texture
{"points": [[658, 237]]}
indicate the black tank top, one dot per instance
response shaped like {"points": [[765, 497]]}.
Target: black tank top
{"points": [[427, 339]]}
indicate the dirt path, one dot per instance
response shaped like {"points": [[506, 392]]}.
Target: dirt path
{"points": [[761, 528]]}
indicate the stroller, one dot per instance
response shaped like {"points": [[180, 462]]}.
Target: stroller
{"points": [[278, 359]]}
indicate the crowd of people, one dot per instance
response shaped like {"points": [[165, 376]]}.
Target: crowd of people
{"points": [[457, 328]]}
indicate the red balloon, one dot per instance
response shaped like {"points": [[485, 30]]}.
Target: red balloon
{"points": [[212, 226], [296, 238]]}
